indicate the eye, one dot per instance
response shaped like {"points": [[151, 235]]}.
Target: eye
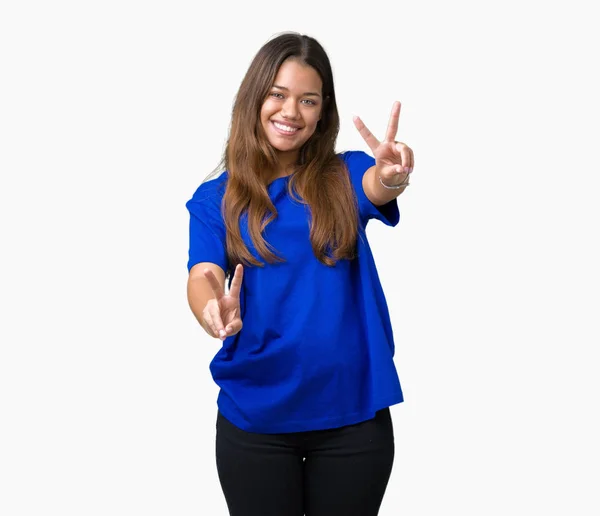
{"points": [[276, 95], [311, 102]]}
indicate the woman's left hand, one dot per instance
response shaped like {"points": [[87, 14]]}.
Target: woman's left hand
{"points": [[393, 160]]}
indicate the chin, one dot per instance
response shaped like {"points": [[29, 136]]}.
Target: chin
{"points": [[284, 148], [278, 146]]}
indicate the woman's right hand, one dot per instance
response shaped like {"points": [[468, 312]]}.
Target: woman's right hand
{"points": [[222, 313]]}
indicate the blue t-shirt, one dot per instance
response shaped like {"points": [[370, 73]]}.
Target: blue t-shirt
{"points": [[316, 348]]}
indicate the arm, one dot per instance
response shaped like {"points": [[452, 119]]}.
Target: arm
{"points": [[376, 193], [393, 161], [199, 291]]}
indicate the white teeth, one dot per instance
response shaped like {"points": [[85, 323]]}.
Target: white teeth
{"points": [[285, 128]]}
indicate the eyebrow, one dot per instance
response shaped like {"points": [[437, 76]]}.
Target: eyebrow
{"points": [[307, 94]]}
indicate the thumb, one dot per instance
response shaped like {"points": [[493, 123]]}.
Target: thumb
{"points": [[234, 326]]}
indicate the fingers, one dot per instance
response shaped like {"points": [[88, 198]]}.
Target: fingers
{"points": [[406, 156], [212, 312], [367, 135], [392, 129], [212, 317], [214, 284], [218, 331], [236, 282], [213, 330]]}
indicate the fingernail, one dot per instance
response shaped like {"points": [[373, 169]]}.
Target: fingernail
{"points": [[398, 147], [407, 169], [222, 333]]}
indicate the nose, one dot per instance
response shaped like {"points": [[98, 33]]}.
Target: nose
{"points": [[289, 109]]}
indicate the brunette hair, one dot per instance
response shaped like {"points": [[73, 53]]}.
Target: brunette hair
{"points": [[320, 178]]}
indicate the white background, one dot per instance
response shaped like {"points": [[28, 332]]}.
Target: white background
{"points": [[112, 113]]}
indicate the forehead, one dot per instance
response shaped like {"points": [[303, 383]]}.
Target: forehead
{"points": [[298, 76]]}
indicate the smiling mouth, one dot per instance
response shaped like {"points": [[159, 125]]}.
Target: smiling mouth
{"points": [[285, 129]]}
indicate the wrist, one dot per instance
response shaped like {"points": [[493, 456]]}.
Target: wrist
{"points": [[402, 181]]}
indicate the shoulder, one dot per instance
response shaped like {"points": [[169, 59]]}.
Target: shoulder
{"points": [[357, 163], [209, 195], [207, 199], [212, 190], [356, 160]]}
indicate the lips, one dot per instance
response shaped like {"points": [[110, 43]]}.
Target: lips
{"points": [[295, 126], [282, 131]]}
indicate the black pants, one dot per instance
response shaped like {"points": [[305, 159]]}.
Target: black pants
{"points": [[342, 471]]}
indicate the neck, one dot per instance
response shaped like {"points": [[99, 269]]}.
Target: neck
{"points": [[287, 160], [287, 165]]}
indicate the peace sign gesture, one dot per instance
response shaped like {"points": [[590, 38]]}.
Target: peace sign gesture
{"points": [[393, 160], [224, 308]]}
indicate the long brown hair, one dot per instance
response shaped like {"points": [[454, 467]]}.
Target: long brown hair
{"points": [[320, 177]]}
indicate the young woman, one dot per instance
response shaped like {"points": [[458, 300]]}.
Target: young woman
{"points": [[305, 371]]}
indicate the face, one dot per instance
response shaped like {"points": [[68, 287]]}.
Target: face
{"points": [[290, 113]]}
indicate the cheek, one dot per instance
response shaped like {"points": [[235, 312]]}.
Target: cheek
{"points": [[314, 120], [315, 116], [268, 108]]}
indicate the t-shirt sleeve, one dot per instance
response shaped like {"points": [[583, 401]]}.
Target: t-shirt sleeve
{"points": [[358, 162], [207, 231]]}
